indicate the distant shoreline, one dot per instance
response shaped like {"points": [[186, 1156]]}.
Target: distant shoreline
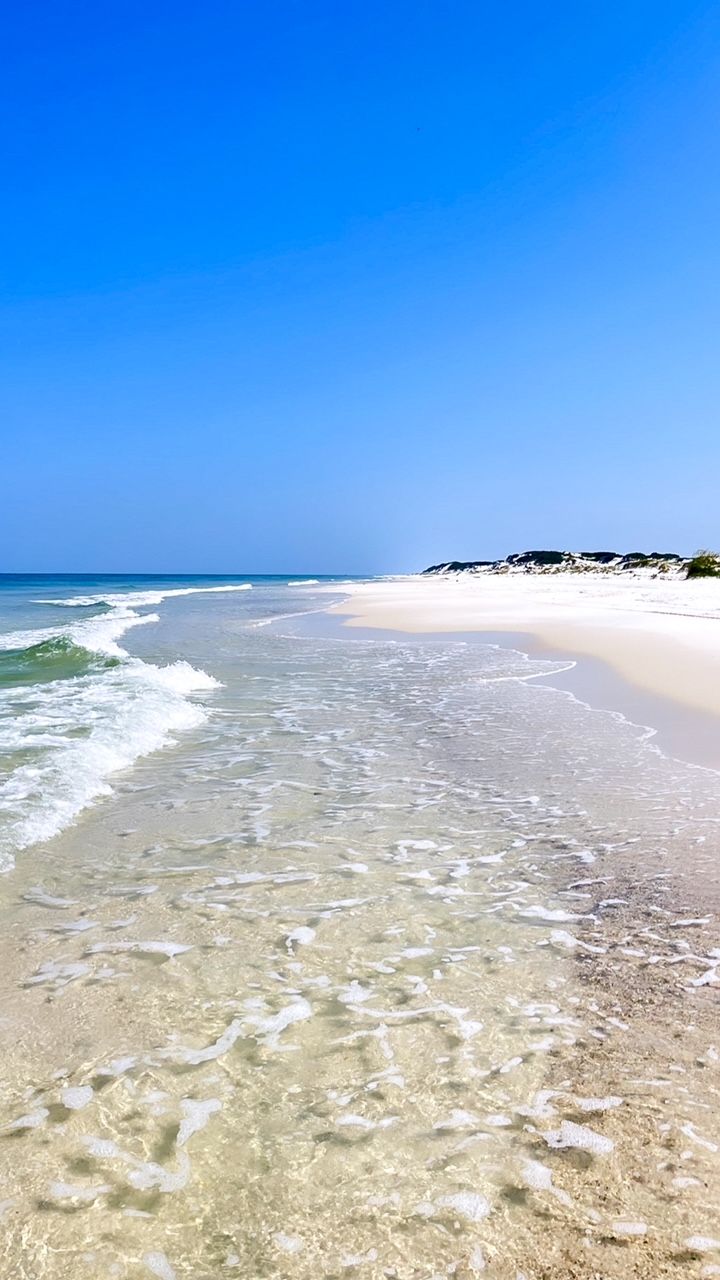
{"points": [[643, 564], [660, 637]]}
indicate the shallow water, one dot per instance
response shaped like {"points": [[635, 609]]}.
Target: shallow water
{"points": [[397, 963]]}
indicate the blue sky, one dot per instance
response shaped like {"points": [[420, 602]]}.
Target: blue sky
{"points": [[354, 288]]}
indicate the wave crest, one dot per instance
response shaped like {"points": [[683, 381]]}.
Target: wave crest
{"points": [[76, 708], [141, 598]]}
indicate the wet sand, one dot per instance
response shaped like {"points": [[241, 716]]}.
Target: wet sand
{"points": [[671, 684], [680, 731], [650, 651], [403, 967], [662, 636]]}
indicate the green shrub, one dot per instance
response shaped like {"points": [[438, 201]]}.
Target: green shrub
{"points": [[706, 564]]}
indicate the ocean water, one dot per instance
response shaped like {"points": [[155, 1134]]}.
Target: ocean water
{"points": [[324, 956], [76, 706]]}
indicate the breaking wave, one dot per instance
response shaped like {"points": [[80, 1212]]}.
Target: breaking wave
{"points": [[76, 708]]}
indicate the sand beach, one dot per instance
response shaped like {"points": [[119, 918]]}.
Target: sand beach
{"points": [[662, 636], [340, 940], [659, 639]]}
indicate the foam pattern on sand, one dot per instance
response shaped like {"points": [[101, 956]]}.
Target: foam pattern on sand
{"points": [[357, 989]]}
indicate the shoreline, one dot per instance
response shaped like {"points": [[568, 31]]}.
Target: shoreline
{"points": [[635, 650], [408, 950]]}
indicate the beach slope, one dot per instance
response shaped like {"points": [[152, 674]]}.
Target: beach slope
{"points": [[661, 636]]}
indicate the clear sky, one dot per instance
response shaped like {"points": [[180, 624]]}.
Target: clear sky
{"points": [[305, 285]]}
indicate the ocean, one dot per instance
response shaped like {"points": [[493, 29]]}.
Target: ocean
{"points": [[326, 955]]}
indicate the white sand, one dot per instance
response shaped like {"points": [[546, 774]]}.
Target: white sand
{"points": [[662, 636]]}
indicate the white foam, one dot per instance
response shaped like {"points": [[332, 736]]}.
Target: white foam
{"points": [[357, 1259], [32, 1120], [197, 1115], [564, 939], [467, 1204], [545, 913], [425, 1209], [358, 1122], [159, 1264], [264, 1028], [540, 1178], [288, 1244], [59, 974], [75, 1098], [142, 598], [458, 1119], [303, 936], [169, 949], [97, 635], [354, 994], [268, 1030], [144, 1174], [578, 1135], [118, 1066], [103, 1148], [540, 1108], [66, 1191], [598, 1104], [123, 711], [46, 900], [215, 1050]]}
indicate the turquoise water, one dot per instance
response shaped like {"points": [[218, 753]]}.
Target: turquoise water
{"points": [[76, 705], [327, 956]]}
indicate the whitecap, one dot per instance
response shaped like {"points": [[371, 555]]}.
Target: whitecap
{"points": [[141, 598], [81, 731]]}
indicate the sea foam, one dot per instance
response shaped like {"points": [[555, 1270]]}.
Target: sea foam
{"points": [[141, 599], [77, 708]]}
